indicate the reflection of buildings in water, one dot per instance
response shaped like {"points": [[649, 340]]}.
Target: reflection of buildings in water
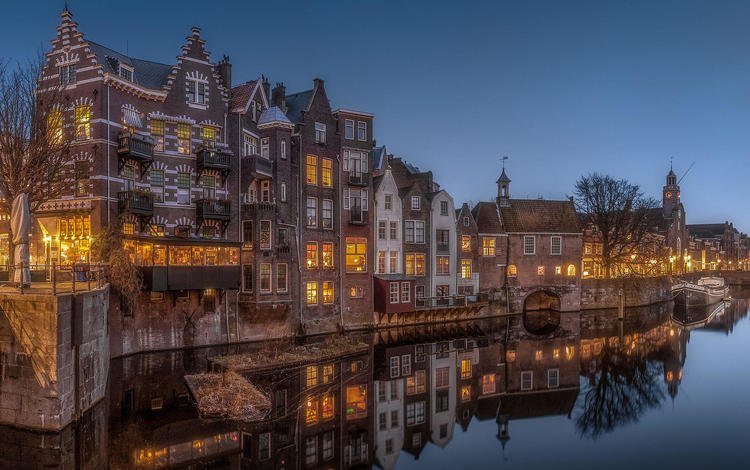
{"points": [[736, 309]]}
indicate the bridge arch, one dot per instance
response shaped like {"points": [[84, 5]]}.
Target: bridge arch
{"points": [[541, 300]]}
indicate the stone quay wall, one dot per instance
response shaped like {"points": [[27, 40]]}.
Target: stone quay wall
{"points": [[54, 357], [638, 291]]}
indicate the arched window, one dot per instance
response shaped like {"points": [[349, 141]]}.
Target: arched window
{"points": [[571, 270], [512, 270], [83, 122]]}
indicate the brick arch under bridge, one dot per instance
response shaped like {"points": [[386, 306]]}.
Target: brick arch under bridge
{"points": [[523, 298], [542, 299]]}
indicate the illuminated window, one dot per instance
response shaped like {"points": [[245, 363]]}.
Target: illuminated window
{"points": [[327, 410], [465, 392], [327, 292], [527, 380], [209, 134], [82, 173], [571, 270], [311, 258], [183, 138], [327, 255], [311, 411], [512, 270], [465, 243], [415, 264], [465, 269], [157, 230], [311, 173], [465, 368], [381, 262], [510, 356], [529, 245], [311, 373], [312, 293], [415, 383], [488, 384], [356, 401], [442, 265], [540, 270], [488, 246], [555, 245], [558, 269], [83, 122], [556, 353], [570, 352], [393, 262], [55, 127], [327, 373], [356, 292], [326, 172], [539, 355], [356, 255], [128, 228]]}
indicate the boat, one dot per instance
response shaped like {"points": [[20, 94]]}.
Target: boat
{"points": [[705, 291], [698, 316]]}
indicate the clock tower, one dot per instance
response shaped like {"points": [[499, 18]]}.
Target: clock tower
{"points": [[670, 194]]}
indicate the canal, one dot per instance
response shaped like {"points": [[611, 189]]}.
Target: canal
{"points": [[657, 388]]}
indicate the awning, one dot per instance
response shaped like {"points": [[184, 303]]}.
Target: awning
{"points": [[132, 118]]}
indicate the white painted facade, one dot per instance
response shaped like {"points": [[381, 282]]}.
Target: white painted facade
{"points": [[443, 421], [443, 217], [389, 406], [388, 215]]}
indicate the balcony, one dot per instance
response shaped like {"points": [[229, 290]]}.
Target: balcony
{"points": [[163, 278], [136, 202], [283, 248], [213, 159], [256, 166], [453, 301], [359, 179], [212, 209], [135, 147], [357, 216], [258, 207]]}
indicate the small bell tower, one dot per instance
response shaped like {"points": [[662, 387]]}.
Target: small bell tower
{"points": [[670, 193], [503, 188]]}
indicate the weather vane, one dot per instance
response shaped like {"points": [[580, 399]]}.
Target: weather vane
{"points": [[504, 157]]}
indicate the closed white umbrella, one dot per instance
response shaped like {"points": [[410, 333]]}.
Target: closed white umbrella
{"points": [[20, 220]]}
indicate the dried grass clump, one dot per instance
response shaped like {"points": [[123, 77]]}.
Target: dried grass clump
{"points": [[228, 396]]}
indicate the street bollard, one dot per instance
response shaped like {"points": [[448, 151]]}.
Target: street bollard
{"points": [[74, 278], [54, 278]]}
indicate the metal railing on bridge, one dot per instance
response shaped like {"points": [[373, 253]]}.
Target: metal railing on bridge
{"points": [[57, 279]]}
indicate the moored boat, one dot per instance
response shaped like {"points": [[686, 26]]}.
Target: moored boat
{"points": [[705, 291]]}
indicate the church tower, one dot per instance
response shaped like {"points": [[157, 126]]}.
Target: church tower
{"points": [[503, 189], [670, 194]]}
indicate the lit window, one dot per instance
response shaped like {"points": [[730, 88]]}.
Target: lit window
{"points": [[465, 392], [510, 355], [320, 133], [538, 355], [571, 270], [327, 373], [82, 173], [556, 353], [356, 255], [326, 406], [55, 127], [356, 292], [540, 270], [512, 270], [442, 265], [393, 262], [465, 269], [128, 228], [416, 383], [157, 133], [312, 293], [465, 368], [465, 243], [356, 401], [183, 138], [415, 264], [311, 172], [209, 134], [311, 411], [349, 129], [488, 246], [83, 122], [555, 245], [488, 384], [327, 255], [529, 245], [311, 258], [558, 269], [312, 212], [327, 292], [326, 172], [265, 235]]}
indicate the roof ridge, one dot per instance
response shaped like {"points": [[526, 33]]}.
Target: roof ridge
{"points": [[126, 55]]}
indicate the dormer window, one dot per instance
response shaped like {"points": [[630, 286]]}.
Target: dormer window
{"points": [[126, 72], [196, 92]]}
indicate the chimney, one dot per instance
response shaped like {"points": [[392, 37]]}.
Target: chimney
{"points": [[266, 86], [224, 69], [278, 96]]}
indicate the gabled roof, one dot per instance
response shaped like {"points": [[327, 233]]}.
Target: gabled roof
{"points": [[707, 230], [241, 95], [377, 157], [273, 115], [487, 218], [540, 216], [296, 103], [146, 73]]}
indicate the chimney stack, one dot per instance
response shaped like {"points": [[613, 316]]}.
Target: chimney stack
{"points": [[278, 96], [224, 69]]}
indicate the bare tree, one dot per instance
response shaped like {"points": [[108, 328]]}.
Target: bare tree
{"points": [[622, 215], [35, 157]]}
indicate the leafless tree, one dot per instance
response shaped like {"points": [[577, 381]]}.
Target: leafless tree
{"points": [[35, 157], [621, 214]]}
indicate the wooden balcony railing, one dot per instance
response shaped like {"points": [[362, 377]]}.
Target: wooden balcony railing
{"points": [[135, 202]]}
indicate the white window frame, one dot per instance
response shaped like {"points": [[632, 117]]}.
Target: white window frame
{"points": [[394, 292], [320, 133], [405, 293], [553, 373], [265, 148], [415, 203], [349, 124], [282, 192], [552, 250], [526, 239], [362, 126], [530, 375], [395, 366]]}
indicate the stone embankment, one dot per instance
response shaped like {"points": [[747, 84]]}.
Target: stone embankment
{"points": [[636, 292]]}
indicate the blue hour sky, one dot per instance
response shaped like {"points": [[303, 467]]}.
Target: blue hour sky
{"points": [[562, 88]]}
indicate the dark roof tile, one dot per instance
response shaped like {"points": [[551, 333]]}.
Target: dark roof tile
{"points": [[540, 216]]}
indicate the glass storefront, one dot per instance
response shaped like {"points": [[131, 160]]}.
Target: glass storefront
{"points": [[145, 253]]}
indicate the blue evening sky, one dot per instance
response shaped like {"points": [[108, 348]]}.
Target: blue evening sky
{"points": [[563, 88]]}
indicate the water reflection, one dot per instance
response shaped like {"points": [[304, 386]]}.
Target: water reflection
{"points": [[408, 389]]}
